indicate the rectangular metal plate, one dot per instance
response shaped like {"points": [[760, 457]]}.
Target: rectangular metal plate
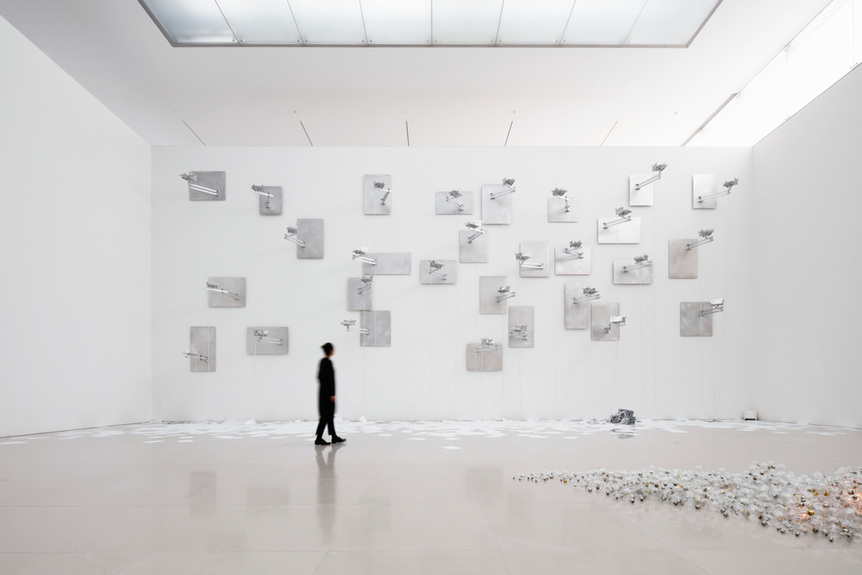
{"points": [[311, 232], [522, 315], [600, 318], [497, 211], [253, 345], [233, 285], [488, 286], [624, 233], [691, 324], [681, 263], [356, 300], [577, 315], [449, 269], [271, 206], [703, 185], [639, 276], [540, 253], [643, 196], [557, 210], [379, 326], [484, 360], [444, 208], [373, 203], [476, 252], [212, 180], [388, 264], [566, 265], [202, 340]]}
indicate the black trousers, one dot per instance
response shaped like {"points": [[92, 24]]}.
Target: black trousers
{"points": [[327, 415]]}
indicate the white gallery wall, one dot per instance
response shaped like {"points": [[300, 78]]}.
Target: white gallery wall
{"points": [[808, 177], [423, 374], [74, 253]]}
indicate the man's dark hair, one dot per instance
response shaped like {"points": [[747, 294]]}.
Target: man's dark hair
{"points": [[327, 348]]}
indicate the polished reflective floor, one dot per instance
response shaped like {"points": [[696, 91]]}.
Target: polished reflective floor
{"points": [[236, 498]]}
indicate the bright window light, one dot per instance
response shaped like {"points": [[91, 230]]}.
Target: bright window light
{"points": [[763, 103]]}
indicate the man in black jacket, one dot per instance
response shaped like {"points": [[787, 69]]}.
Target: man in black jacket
{"points": [[326, 397]]}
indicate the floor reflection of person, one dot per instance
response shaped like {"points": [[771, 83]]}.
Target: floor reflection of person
{"points": [[326, 397]]}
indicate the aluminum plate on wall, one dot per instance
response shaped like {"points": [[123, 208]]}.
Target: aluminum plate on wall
{"points": [[484, 360], [375, 201], [212, 180], [271, 206], [489, 287], [358, 297], [444, 208], [262, 340], [202, 341], [624, 233], [600, 320], [577, 315], [569, 265], [448, 274], [643, 196], [682, 263], [379, 326], [639, 276], [235, 286], [557, 210], [540, 253], [475, 252], [388, 264], [498, 211], [522, 316], [311, 232], [691, 323], [704, 185]]}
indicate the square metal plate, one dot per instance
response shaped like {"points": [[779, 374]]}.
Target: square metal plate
{"points": [[388, 264], [444, 208], [566, 265], [379, 326], [254, 345], [311, 232], [691, 323], [639, 276], [488, 293], [557, 210], [522, 315], [577, 315], [703, 185], [476, 252], [497, 211], [643, 196], [373, 202], [681, 263], [233, 285], [212, 180], [600, 319], [358, 300], [540, 253], [202, 341], [486, 360], [624, 233], [449, 270], [271, 206]]}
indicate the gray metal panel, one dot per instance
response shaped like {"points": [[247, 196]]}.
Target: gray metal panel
{"points": [[577, 315], [372, 197], [213, 180], [397, 264], [484, 360], [624, 233], [643, 196], [276, 202], [253, 345], [497, 211], [682, 263], [703, 185], [488, 286], [450, 269], [540, 253], [444, 208], [639, 276], [691, 323], [477, 252], [566, 265], [600, 319], [202, 340], [311, 232], [233, 285], [379, 326], [557, 210], [356, 300], [522, 315]]}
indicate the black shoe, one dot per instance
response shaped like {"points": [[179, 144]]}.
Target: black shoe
{"points": [[320, 441], [337, 439]]}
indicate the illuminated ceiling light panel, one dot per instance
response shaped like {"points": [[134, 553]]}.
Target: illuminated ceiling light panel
{"points": [[483, 23]]}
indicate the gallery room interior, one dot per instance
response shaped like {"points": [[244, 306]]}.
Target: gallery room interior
{"points": [[589, 270]]}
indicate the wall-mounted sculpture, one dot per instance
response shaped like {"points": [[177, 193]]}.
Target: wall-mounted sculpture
{"points": [[202, 349], [377, 195], [359, 293], [266, 340], [377, 326], [605, 321], [705, 191], [522, 326], [576, 306], [574, 259], [637, 271], [473, 244], [494, 294], [621, 229], [383, 264], [226, 292], [497, 202], [206, 186], [561, 208], [487, 355], [453, 203], [641, 186], [683, 255], [270, 199], [695, 318], [438, 272], [534, 259], [308, 237]]}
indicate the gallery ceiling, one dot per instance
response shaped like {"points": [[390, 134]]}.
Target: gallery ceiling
{"points": [[398, 96]]}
